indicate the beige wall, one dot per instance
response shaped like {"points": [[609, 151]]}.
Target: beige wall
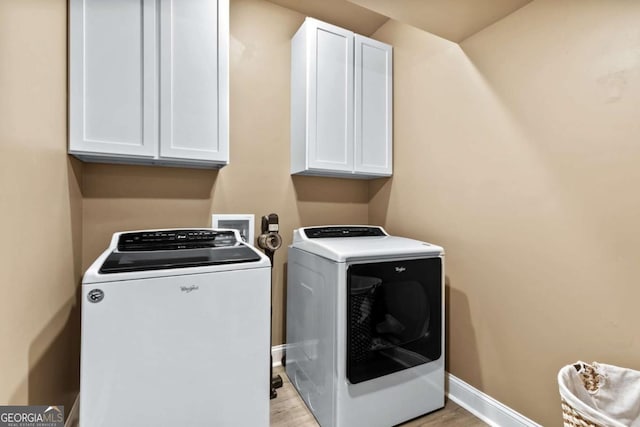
{"points": [[41, 212], [523, 142], [518, 152], [256, 181]]}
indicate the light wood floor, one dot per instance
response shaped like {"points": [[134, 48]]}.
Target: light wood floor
{"points": [[288, 410]]}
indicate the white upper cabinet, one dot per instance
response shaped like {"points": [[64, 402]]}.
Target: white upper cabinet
{"points": [[341, 103], [190, 93], [373, 107], [149, 81], [322, 89]]}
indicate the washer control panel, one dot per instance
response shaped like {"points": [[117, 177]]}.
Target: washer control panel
{"points": [[179, 239]]}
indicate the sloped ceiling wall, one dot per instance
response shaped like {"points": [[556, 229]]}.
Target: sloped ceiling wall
{"points": [[454, 20], [338, 12]]}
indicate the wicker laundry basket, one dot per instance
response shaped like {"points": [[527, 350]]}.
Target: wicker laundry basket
{"points": [[599, 395]]}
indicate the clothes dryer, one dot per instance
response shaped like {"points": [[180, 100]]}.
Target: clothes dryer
{"points": [[365, 325], [175, 331]]}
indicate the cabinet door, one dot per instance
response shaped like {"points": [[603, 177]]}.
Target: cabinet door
{"points": [[193, 87], [373, 107], [330, 102], [112, 78]]}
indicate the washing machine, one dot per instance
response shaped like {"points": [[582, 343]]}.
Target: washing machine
{"points": [[365, 325], [175, 331]]}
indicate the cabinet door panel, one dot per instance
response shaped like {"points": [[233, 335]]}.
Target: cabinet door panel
{"points": [[331, 99], [113, 77], [373, 106], [193, 91]]}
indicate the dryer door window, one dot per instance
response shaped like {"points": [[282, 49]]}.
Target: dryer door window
{"points": [[394, 316]]}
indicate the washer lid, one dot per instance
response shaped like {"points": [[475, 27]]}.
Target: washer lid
{"points": [[167, 249], [173, 252], [120, 262], [359, 242]]}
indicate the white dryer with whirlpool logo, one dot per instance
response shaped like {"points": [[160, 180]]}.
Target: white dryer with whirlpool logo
{"points": [[365, 325]]}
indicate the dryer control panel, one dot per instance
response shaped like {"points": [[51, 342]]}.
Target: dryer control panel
{"points": [[343, 231]]}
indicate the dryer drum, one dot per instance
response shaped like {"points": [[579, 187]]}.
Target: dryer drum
{"points": [[393, 315], [361, 299], [361, 327], [385, 315], [407, 312]]}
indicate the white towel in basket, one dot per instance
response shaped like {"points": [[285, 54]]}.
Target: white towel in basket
{"points": [[611, 399]]}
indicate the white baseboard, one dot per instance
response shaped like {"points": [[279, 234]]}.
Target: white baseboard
{"points": [[277, 351], [484, 406], [74, 414], [470, 398]]}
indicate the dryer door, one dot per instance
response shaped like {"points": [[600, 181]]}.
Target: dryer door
{"points": [[394, 316]]}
